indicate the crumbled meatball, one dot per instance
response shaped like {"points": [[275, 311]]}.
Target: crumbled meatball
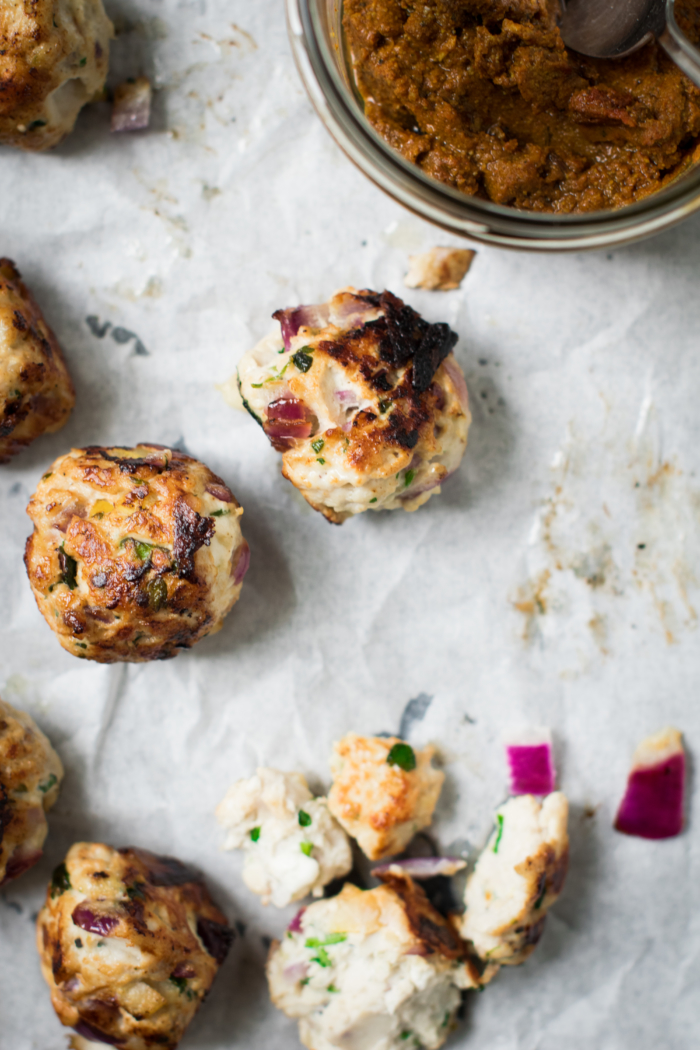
{"points": [[440, 269], [129, 944], [383, 791], [371, 969], [292, 844], [136, 552], [53, 59], [363, 398], [36, 393], [517, 878], [30, 776]]}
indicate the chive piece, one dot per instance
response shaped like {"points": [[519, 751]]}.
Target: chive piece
{"points": [[77, 942], [36, 124], [47, 475], [406, 1035], [83, 62], [304, 981], [254, 834], [373, 500], [157, 594], [302, 360], [60, 881], [81, 645], [256, 386], [543, 894], [410, 475], [321, 461], [219, 513], [53, 779], [180, 983], [403, 756], [143, 550], [384, 405], [318, 445], [332, 988], [332, 938], [499, 834], [323, 958], [304, 819], [306, 848], [446, 1019], [69, 568]]}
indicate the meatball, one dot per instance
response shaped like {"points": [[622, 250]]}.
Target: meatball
{"points": [[383, 791], [53, 59], [129, 944], [136, 552], [371, 968], [363, 398], [36, 393], [30, 776], [517, 878], [292, 844]]}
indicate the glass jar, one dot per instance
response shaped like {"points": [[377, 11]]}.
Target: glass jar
{"points": [[317, 42]]}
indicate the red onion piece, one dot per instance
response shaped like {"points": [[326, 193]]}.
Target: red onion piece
{"points": [[352, 312], [22, 860], [345, 396], [455, 373], [531, 768], [216, 938], [222, 492], [296, 317], [242, 563], [419, 949], [94, 1034], [66, 515], [184, 969], [288, 418], [295, 924], [423, 867], [132, 105], [653, 804], [295, 972], [94, 922]]}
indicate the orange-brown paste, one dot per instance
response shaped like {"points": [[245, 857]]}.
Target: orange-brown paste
{"points": [[483, 95]]}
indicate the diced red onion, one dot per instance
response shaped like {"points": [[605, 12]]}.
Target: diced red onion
{"points": [[222, 492], [132, 105], [344, 396], [242, 563], [296, 317], [21, 860], [423, 867], [431, 484], [455, 373], [94, 1034], [184, 969], [295, 972], [653, 804], [66, 515], [531, 764], [94, 922], [295, 924], [352, 311], [419, 949], [287, 419], [216, 938]]}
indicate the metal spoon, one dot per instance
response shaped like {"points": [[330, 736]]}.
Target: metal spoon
{"points": [[613, 28]]}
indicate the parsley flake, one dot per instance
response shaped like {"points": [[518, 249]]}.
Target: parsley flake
{"points": [[304, 819], [499, 834], [332, 988], [410, 475], [373, 500], [180, 983], [318, 445], [332, 938], [321, 461], [219, 513], [47, 785], [384, 405], [403, 756], [60, 881], [306, 848], [302, 359], [254, 834], [256, 386]]}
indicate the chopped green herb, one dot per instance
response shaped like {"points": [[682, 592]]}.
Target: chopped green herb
{"points": [[83, 62], [543, 894], [137, 481], [69, 568], [143, 550], [332, 988], [406, 1035], [219, 513], [306, 848], [36, 124], [60, 881], [78, 943], [304, 981], [446, 1019], [384, 405], [318, 445], [81, 645], [323, 958], [499, 825], [157, 593], [180, 983], [247, 407], [302, 360], [135, 892], [47, 475], [321, 461], [254, 834], [256, 386], [410, 475], [48, 784], [373, 500], [304, 819], [100, 944], [403, 756], [332, 938]]}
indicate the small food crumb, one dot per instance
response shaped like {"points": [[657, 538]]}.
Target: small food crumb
{"points": [[439, 270], [132, 105]]}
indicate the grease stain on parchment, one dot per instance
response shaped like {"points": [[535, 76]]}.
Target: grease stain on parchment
{"points": [[612, 546]]}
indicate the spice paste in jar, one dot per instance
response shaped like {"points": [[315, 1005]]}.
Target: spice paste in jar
{"points": [[484, 96]]}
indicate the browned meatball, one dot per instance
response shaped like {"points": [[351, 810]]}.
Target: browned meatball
{"points": [[30, 776], [36, 393], [136, 552], [129, 944]]}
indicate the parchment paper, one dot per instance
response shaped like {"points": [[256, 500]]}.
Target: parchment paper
{"points": [[555, 581]]}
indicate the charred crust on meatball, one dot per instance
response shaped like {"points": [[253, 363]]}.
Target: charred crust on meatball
{"points": [[431, 928], [191, 532]]}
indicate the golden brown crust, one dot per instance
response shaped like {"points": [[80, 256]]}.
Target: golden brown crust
{"points": [[129, 945], [36, 393], [30, 776], [136, 553], [53, 59], [435, 933]]}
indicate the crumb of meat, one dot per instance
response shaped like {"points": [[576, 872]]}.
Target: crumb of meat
{"points": [[440, 269]]}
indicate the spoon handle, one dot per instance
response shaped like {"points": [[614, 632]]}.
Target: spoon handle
{"points": [[678, 47]]}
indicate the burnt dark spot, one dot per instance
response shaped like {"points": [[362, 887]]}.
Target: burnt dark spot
{"points": [[190, 533], [19, 321], [99, 875], [73, 621], [162, 871], [216, 937], [535, 932]]}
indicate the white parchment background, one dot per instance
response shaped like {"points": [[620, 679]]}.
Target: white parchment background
{"points": [[554, 582]]}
